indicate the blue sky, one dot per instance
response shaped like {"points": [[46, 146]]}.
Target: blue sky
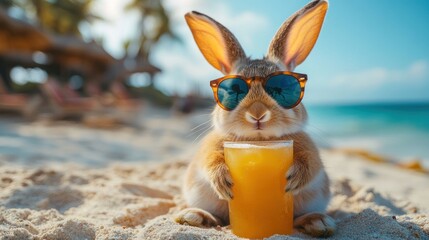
{"points": [[368, 51]]}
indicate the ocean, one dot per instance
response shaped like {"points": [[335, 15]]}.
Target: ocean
{"points": [[398, 131]]}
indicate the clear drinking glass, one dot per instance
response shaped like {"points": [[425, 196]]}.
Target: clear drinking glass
{"points": [[260, 206]]}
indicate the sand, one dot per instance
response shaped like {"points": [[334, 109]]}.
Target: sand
{"points": [[77, 191]]}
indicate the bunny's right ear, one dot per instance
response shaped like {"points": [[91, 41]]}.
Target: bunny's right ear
{"points": [[298, 34], [218, 45]]}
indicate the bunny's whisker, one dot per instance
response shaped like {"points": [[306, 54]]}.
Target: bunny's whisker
{"points": [[209, 113], [206, 130], [200, 125]]}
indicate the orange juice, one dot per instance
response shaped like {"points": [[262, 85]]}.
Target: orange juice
{"points": [[260, 206]]}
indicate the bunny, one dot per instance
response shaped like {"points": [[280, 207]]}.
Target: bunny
{"points": [[208, 183]]}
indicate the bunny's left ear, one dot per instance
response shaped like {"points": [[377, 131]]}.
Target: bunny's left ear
{"points": [[218, 45], [296, 37]]}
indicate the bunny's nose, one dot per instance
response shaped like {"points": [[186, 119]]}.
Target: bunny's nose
{"points": [[259, 118]]}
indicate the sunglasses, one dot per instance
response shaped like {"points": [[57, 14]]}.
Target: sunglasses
{"points": [[286, 88]]}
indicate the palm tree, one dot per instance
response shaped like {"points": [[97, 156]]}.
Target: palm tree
{"points": [[6, 4], [59, 16], [154, 24], [64, 16]]}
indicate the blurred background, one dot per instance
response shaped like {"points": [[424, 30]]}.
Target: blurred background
{"points": [[132, 84]]}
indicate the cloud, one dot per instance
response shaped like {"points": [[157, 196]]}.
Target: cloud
{"points": [[380, 84], [376, 77]]}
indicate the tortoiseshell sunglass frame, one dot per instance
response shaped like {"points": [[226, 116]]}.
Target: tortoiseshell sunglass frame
{"points": [[300, 77]]}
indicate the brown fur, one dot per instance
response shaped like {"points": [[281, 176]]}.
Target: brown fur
{"points": [[208, 182]]}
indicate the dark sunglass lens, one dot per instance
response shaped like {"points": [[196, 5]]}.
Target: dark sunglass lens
{"points": [[231, 92], [285, 89]]}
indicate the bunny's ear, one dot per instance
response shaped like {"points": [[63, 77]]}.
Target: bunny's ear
{"points": [[218, 45], [298, 34]]}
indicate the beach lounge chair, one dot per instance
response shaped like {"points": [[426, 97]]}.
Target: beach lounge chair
{"points": [[122, 99], [18, 102], [65, 102]]}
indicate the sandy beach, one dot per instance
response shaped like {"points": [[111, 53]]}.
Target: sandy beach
{"points": [[115, 169], [63, 180]]}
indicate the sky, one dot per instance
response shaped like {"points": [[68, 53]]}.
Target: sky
{"points": [[367, 51]]}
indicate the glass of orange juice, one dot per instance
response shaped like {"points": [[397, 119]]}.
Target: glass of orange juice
{"points": [[260, 206]]}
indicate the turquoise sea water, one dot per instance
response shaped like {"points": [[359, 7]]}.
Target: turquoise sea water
{"points": [[399, 131]]}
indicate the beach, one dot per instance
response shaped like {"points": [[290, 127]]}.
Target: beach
{"points": [[64, 180]]}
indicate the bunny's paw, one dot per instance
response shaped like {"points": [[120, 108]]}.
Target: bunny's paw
{"points": [[315, 224], [196, 217], [296, 178], [221, 182]]}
